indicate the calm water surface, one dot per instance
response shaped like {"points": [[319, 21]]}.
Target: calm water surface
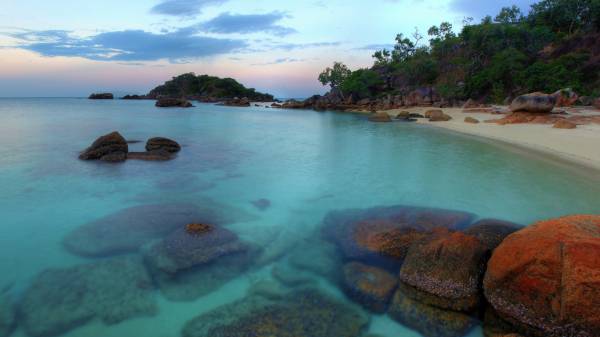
{"points": [[305, 163]]}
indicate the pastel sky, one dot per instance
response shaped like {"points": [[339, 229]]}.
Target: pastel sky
{"points": [[69, 48]]}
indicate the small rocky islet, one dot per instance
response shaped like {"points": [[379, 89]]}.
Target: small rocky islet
{"points": [[114, 148], [437, 271]]}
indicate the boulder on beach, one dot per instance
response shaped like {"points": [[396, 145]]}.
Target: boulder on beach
{"points": [[383, 235], [565, 97], [303, 313], [428, 320], [372, 287], [111, 148], [380, 117], [471, 120], [125, 231], [536, 102], [184, 248], [545, 278], [161, 143], [112, 290], [448, 268], [105, 95], [596, 103], [173, 103], [564, 124], [7, 316]]}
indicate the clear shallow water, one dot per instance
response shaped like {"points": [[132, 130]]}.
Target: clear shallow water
{"points": [[306, 163]]}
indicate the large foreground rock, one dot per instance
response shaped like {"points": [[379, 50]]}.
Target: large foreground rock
{"points": [[545, 278], [111, 147], [491, 232], [535, 103], [112, 290], [383, 235], [183, 249], [448, 268], [304, 313], [370, 286], [7, 316], [127, 230]]}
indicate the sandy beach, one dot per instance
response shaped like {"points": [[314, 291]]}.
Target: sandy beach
{"points": [[580, 146]]}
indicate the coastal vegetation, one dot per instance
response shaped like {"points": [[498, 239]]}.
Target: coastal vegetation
{"points": [[556, 45]]}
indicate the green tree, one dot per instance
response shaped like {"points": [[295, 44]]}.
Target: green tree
{"points": [[335, 75], [362, 83], [509, 15]]}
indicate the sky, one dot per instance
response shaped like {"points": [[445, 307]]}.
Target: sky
{"points": [[66, 48]]}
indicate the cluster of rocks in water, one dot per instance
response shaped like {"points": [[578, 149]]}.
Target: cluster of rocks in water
{"points": [[440, 272], [105, 95], [114, 148]]}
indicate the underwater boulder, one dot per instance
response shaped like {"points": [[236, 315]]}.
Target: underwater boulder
{"points": [[110, 148], [491, 232], [186, 247], [447, 267], [303, 313], [372, 287], [7, 316], [383, 235], [545, 278], [380, 117], [62, 299], [430, 321], [125, 231]]}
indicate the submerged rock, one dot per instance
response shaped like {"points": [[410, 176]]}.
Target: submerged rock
{"points": [[127, 230], [545, 278], [159, 155], [430, 321], [535, 103], [182, 250], [380, 117], [111, 148], [7, 316], [112, 290], [290, 276], [491, 232], [162, 144], [448, 267], [304, 313], [173, 103], [106, 95], [319, 257], [370, 286], [261, 204], [383, 235]]}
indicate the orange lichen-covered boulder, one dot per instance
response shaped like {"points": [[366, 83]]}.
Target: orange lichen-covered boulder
{"points": [[370, 286], [564, 124], [447, 268], [545, 279]]}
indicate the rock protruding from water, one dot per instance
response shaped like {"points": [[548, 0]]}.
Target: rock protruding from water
{"points": [[112, 290], [110, 148], [182, 250], [536, 102], [448, 268], [127, 230], [237, 102], [545, 278], [380, 117], [105, 95], [162, 144], [303, 313], [7, 316], [173, 103], [370, 286]]}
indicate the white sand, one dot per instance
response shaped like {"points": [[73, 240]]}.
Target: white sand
{"points": [[581, 145]]}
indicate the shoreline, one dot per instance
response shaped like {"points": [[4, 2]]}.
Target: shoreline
{"points": [[579, 146]]}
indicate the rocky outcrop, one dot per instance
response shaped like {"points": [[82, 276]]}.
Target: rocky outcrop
{"points": [[448, 266], [162, 144], [303, 313], [7, 316], [113, 290], [564, 124], [544, 278], [173, 103], [182, 250], [110, 148], [380, 117], [491, 232], [437, 116], [239, 102], [102, 96], [370, 286], [135, 97], [536, 102], [565, 97]]}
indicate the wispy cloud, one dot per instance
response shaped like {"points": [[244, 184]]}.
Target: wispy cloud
{"points": [[228, 23], [126, 45], [183, 8], [374, 47], [280, 61]]}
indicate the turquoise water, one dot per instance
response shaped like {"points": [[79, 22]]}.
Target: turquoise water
{"points": [[305, 163]]}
